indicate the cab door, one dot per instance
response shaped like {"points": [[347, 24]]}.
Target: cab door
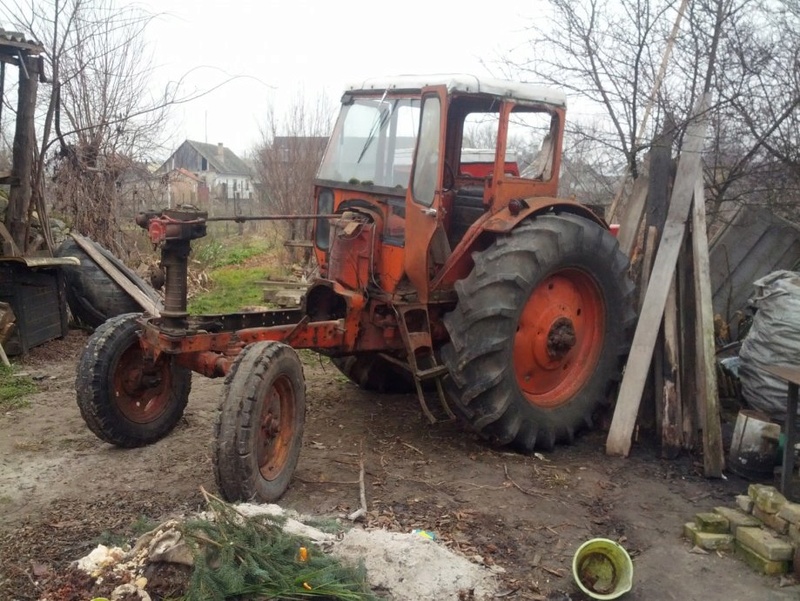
{"points": [[424, 214]]}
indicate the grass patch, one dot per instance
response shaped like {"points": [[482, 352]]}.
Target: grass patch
{"points": [[233, 284], [232, 288], [14, 389], [215, 253]]}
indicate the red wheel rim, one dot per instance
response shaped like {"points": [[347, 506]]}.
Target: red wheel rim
{"points": [[559, 337], [276, 430], [141, 391]]}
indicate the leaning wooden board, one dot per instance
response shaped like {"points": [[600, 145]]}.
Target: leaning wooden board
{"points": [[644, 339], [115, 274]]}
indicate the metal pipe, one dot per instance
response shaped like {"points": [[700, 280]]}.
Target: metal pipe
{"points": [[273, 217]]}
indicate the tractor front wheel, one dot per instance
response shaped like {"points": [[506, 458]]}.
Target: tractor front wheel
{"points": [[259, 429], [540, 331], [123, 398]]}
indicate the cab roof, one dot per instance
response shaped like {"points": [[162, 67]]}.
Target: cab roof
{"points": [[458, 82]]}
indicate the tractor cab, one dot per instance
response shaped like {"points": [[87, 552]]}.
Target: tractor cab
{"points": [[429, 160]]}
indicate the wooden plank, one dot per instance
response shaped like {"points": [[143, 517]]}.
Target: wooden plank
{"points": [[647, 263], [633, 382], [634, 211], [115, 274], [672, 415], [713, 456], [686, 302]]}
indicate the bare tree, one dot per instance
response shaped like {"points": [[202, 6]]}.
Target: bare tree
{"points": [[610, 54], [287, 158], [100, 118]]}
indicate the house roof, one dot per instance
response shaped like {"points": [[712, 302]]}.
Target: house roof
{"points": [[228, 163]]}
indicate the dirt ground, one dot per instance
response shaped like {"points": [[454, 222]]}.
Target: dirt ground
{"points": [[62, 491]]}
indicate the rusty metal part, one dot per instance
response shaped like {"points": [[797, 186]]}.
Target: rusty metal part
{"points": [[243, 218]]}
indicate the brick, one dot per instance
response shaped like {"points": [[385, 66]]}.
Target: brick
{"points": [[745, 503], [765, 543], [737, 518], [759, 563], [711, 541], [769, 500], [753, 490], [790, 512], [771, 520], [711, 522]]}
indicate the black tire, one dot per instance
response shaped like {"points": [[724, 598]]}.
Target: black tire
{"points": [[374, 373], [500, 338], [93, 297], [121, 399], [249, 461]]}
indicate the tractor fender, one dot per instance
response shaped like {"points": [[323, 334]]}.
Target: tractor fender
{"points": [[504, 220], [459, 264]]}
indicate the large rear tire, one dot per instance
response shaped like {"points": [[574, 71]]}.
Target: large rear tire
{"points": [[540, 331], [259, 429], [124, 399], [374, 373]]}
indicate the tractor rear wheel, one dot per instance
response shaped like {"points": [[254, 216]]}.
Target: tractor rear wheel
{"points": [[540, 331], [124, 399], [259, 428], [374, 373]]}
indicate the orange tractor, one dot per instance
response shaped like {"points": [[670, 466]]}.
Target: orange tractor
{"points": [[443, 270]]}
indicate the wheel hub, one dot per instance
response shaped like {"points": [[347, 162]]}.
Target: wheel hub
{"points": [[561, 338]]}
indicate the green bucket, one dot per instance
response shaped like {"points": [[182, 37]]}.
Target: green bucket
{"points": [[602, 569]]}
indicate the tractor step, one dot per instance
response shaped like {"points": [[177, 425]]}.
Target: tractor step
{"points": [[415, 331]]}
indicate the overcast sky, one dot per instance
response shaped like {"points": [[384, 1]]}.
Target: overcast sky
{"points": [[284, 48]]}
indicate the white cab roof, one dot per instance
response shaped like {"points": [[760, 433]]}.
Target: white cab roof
{"points": [[465, 83]]}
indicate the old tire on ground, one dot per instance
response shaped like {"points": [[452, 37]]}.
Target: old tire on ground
{"points": [[92, 295], [122, 399], [259, 429], [374, 373], [540, 331]]}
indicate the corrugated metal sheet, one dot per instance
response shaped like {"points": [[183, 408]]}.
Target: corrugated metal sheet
{"points": [[754, 244], [19, 40]]}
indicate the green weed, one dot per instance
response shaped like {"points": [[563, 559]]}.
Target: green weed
{"points": [[14, 389], [233, 288], [215, 253]]}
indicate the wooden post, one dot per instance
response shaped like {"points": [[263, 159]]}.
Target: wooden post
{"points": [[632, 220], [22, 155], [672, 414], [687, 303], [713, 456], [633, 382]]}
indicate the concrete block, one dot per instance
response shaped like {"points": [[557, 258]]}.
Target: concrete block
{"points": [[753, 490], [771, 520], [759, 563], [737, 518], [711, 541], [765, 543], [745, 503], [711, 522], [790, 512], [769, 500]]}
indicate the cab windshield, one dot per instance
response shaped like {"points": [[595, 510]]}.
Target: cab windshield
{"points": [[373, 142]]}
